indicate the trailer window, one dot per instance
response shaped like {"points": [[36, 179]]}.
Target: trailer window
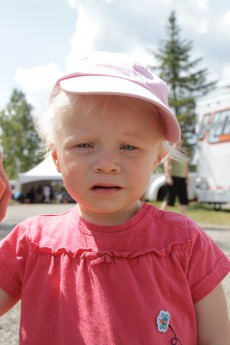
{"points": [[204, 127], [217, 127], [220, 129], [218, 123], [226, 128]]}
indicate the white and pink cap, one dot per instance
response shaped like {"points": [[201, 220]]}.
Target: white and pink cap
{"points": [[116, 74]]}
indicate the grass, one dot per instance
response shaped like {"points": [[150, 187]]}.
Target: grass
{"points": [[204, 214]]}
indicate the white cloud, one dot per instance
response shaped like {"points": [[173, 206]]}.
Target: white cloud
{"points": [[37, 78], [71, 3], [126, 26], [223, 26], [113, 26], [83, 39], [37, 82], [225, 75]]}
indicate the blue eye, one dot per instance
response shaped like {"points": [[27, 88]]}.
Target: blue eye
{"points": [[128, 147], [85, 146]]}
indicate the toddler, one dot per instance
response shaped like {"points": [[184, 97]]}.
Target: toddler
{"points": [[112, 270]]}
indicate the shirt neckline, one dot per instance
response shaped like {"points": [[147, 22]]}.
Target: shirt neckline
{"points": [[141, 218]]}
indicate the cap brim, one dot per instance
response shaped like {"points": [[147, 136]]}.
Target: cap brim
{"points": [[118, 86]]}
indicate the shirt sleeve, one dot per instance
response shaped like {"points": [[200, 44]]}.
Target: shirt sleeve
{"points": [[13, 257], [208, 265]]}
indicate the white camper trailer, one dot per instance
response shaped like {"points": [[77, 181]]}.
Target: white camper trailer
{"points": [[213, 165]]}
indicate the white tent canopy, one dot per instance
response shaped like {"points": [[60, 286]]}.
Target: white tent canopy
{"points": [[44, 171]]}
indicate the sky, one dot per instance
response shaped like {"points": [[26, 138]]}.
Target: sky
{"points": [[40, 40]]}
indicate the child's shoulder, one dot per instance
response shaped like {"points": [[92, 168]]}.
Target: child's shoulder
{"points": [[170, 229], [173, 224], [51, 225], [51, 218], [169, 217]]}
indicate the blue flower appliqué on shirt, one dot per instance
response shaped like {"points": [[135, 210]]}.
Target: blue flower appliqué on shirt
{"points": [[163, 319], [163, 325]]}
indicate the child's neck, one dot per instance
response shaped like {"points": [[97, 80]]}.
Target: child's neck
{"points": [[109, 219]]}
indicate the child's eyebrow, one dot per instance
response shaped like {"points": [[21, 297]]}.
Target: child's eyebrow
{"points": [[134, 135], [78, 138]]}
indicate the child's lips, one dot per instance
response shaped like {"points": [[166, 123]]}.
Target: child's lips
{"points": [[105, 189]]}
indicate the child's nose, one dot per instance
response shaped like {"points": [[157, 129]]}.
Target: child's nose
{"points": [[107, 162]]}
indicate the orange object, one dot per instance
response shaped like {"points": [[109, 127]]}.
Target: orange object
{"points": [[2, 187]]}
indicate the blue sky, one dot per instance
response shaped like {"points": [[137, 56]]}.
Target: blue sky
{"points": [[40, 39]]}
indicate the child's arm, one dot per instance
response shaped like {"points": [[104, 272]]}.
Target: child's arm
{"points": [[6, 302], [213, 325], [168, 176], [5, 191]]}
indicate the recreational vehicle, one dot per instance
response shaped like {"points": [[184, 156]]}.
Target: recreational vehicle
{"points": [[213, 148]]}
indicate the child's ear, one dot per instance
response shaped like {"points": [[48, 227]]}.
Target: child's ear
{"points": [[55, 159]]}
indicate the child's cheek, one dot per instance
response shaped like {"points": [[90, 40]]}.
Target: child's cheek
{"points": [[2, 187]]}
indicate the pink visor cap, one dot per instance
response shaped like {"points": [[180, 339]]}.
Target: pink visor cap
{"points": [[116, 74]]}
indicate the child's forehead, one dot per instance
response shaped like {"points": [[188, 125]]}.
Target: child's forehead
{"points": [[87, 103], [108, 105], [112, 112]]}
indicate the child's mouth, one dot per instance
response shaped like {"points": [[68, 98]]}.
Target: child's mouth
{"points": [[103, 189]]}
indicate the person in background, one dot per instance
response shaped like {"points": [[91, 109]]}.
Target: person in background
{"points": [[46, 193], [39, 194], [176, 173], [112, 269]]}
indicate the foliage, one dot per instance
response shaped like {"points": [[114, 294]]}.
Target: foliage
{"points": [[184, 80], [18, 138]]}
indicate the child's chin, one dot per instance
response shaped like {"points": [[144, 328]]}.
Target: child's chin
{"points": [[2, 188]]}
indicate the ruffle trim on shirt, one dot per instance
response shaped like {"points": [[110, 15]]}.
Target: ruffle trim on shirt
{"points": [[96, 257], [134, 224]]}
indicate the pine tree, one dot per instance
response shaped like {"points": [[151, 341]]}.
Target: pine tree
{"points": [[18, 139], [184, 80]]}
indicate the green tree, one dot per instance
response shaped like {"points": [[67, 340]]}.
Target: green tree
{"points": [[185, 81], [18, 139]]}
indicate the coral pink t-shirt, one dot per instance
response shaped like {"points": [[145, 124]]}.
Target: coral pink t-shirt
{"points": [[131, 284]]}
